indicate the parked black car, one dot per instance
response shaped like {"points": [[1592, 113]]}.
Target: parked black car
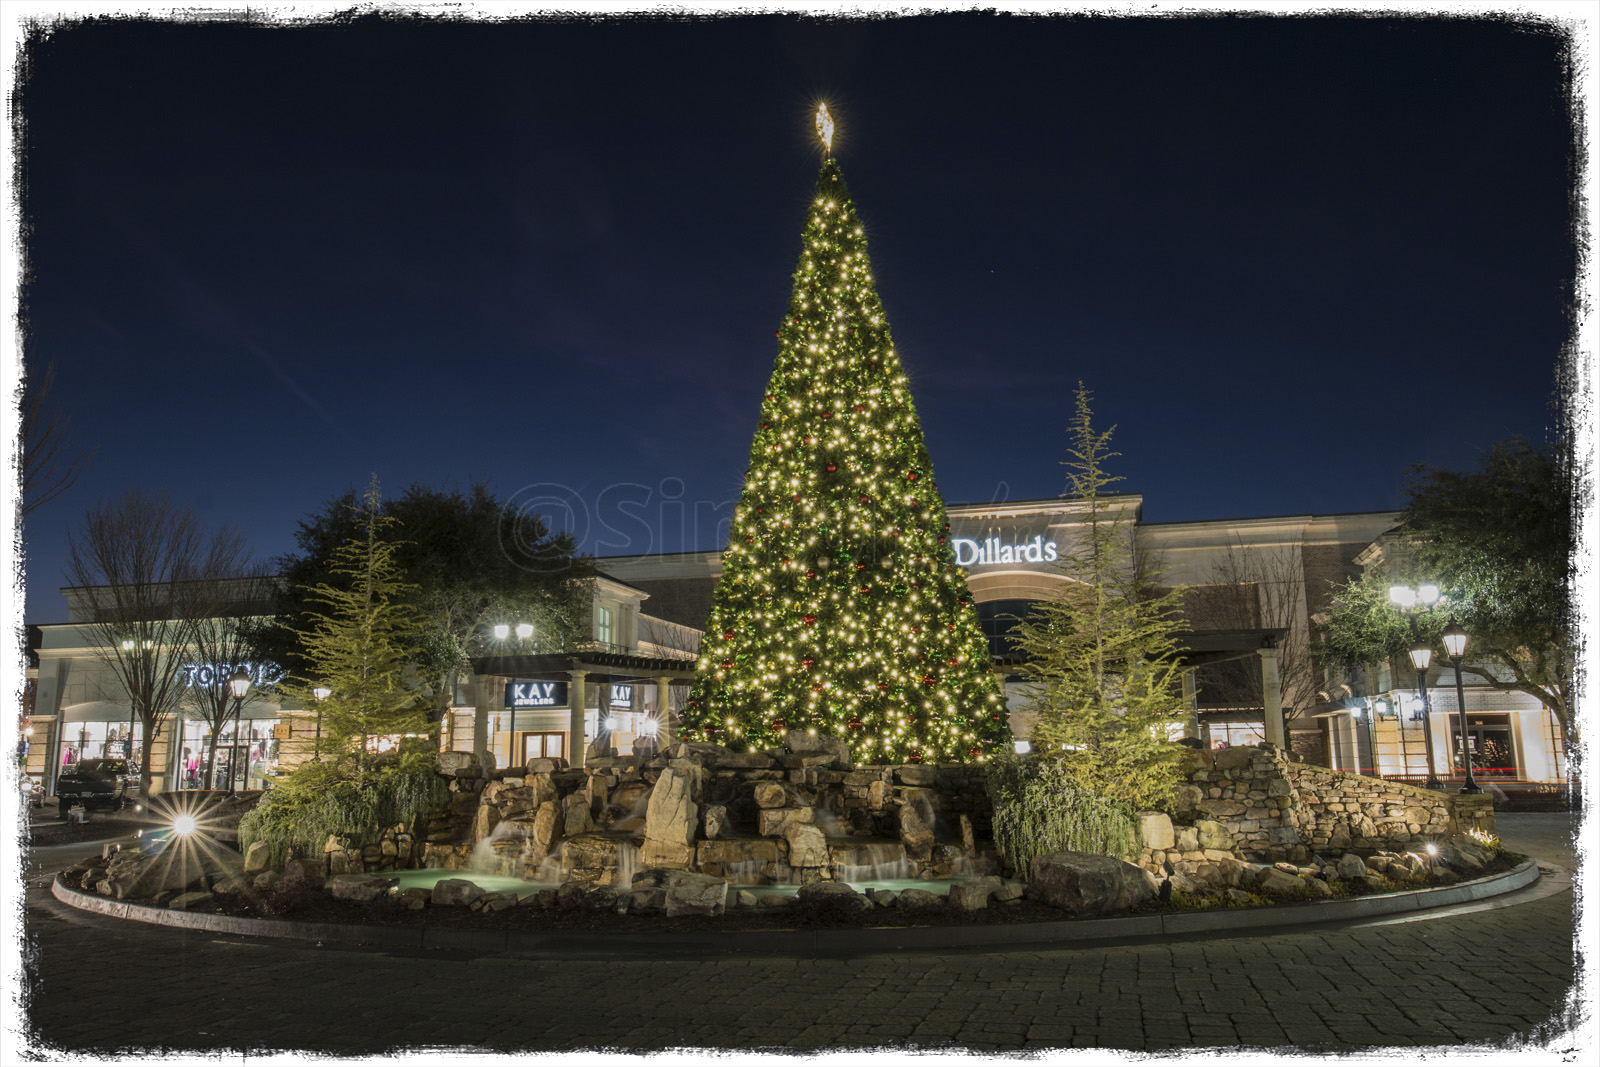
{"points": [[97, 784]]}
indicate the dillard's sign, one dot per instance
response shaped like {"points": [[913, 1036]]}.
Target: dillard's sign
{"points": [[970, 553]]}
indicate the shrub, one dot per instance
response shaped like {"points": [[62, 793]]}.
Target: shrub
{"points": [[1039, 810], [323, 799]]}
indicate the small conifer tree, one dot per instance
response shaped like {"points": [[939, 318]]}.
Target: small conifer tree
{"points": [[361, 648], [1103, 653]]}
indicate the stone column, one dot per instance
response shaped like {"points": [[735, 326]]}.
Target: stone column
{"points": [[1271, 695], [480, 717], [664, 713], [576, 698], [602, 710], [1191, 700]]}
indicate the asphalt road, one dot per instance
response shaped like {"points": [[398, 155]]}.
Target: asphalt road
{"points": [[1492, 974]]}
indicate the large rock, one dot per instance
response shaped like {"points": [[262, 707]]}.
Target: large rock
{"points": [[770, 795], [833, 892], [917, 774], [1350, 867], [685, 893], [772, 822], [1155, 830], [807, 743], [258, 857], [362, 888], [185, 901], [808, 845], [1213, 834], [547, 827], [1186, 798], [484, 822], [1272, 880], [1082, 884], [459, 765], [728, 851], [1232, 758], [972, 894], [915, 834], [576, 816], [455, 891], [591, 858], [713, 819], [918, 900], [670, 815], [673, 854]]}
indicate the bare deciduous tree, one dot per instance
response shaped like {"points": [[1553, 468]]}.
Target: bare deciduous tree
{"points": [[49, 465], [134, 568], [1256, 588], [223, 642]]}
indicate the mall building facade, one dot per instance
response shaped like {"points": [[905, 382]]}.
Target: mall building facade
{"points": [[1253, 592]]}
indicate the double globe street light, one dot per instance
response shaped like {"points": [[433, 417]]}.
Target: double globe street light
{"points": [[1424, 596], [1455, 644]]}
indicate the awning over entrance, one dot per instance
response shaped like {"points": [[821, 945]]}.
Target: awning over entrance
{"points": [[619, 664]]}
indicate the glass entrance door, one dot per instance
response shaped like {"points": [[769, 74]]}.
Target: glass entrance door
{"points": [[1489, 744]]}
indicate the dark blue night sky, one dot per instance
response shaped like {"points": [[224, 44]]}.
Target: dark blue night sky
{"points": [[1289, 256]]}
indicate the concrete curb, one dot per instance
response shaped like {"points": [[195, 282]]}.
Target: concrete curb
{"points": [[816, 942]]}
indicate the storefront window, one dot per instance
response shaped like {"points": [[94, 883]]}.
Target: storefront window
{"points": [[246, 756], [101, 740], [1234, 734]]}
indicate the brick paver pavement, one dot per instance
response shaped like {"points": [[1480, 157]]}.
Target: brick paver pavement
{"points": [[1485, 975]]}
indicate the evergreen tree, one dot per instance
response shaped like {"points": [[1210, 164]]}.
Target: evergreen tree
{"points": [[362, 646], [840, 608], [1103, 653]]}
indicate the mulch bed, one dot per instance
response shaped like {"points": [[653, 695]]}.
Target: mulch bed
{"points": [[307, 905], [48, 829]]}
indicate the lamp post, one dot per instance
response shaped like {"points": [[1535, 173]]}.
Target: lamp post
{"points": [[1423, 596], [322, 693], [238, 685], [1421, 656], [1455, 644]]}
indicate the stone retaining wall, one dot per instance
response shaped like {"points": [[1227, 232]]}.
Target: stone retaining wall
{"points": [[1276, 808]]}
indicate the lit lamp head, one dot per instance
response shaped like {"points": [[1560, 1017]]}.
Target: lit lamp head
{"points": [[1403, 595], [501, 631], [1421, 656], [239, 684], [1455, 640], [322, 692], [524, 630]]}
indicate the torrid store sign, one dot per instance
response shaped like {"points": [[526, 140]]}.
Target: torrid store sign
{"points": [[1031, 548]]}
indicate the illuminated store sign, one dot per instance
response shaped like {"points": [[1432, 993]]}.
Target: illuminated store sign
{"points": [[209, 674], [622, 696], [970, 553], [536, 694]]}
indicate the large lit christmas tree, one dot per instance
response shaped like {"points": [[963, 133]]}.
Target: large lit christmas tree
{"points": [[840, 608]]}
